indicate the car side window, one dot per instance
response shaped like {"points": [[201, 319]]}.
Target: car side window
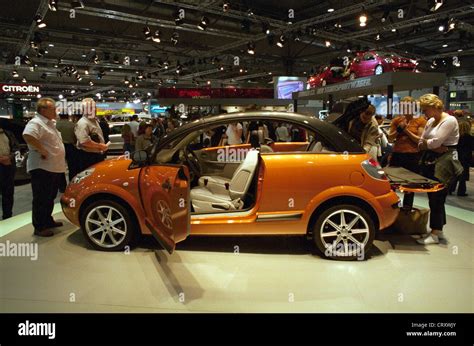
{"points": [[369, 56], [115, 130]]}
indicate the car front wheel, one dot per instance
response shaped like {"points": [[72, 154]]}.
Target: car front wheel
{"points": [[379, 70], [323, 82], [344, 232], [107, 225]]}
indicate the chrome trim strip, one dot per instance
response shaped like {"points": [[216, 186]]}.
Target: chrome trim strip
{"points": [[280, 217]]}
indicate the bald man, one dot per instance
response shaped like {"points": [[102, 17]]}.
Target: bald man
{"points": [[90, 139]]}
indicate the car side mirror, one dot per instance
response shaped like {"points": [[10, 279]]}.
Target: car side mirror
{"points": [[140, 156]]}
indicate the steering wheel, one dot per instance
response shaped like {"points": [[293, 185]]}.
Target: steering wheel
{"points": [[193, 163]]}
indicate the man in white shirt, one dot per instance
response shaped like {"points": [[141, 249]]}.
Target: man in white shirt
{"points": [[90, 139], [134, 124], [234, 134], [46, 163], [282, 133]]}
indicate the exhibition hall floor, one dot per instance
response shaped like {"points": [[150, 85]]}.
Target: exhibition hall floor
{"points": [[205, 274]]}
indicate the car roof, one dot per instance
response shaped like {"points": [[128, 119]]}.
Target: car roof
{"points": [[327, 130]]}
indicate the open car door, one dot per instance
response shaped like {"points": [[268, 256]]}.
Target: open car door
{"points": [[164, 191], [405, 180]]}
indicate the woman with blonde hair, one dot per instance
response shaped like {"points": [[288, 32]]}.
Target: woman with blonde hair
{"points": [[438, 161]]}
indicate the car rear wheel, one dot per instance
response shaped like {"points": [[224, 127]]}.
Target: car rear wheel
{"points": [[107, 225], [323, 82], [352, 76], [379, 70], [344, 232]]}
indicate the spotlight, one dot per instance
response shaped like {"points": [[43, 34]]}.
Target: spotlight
{"points": [[385, 16], [53, 5], [441, 27], [26, 60], [251, 48], [363, 20], [281, 41], [174, 38], [79, 77], [156, 36], [95, 59], [147, 33], [23, 80], [39, 21], [203, 23], [451, 25], [437, 5], [377, 38], [330, 10], [77, 4], [266, 28], [328, 43], [225, 7], [178, 69], [86, 72]]}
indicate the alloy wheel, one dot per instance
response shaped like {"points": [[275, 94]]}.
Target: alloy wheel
{"points": [[106, 226], [345, 227]]}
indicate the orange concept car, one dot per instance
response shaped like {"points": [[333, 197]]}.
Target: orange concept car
{"points": [[324, 186]]}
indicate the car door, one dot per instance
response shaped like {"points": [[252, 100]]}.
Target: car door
{"points": [[164, 191], [368, 64], [404, 180]]}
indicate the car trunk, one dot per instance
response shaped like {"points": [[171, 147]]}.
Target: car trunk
{"points": [[403, 180]]}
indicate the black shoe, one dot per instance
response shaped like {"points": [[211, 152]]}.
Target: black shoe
{"points": [[463, 194], [55, 224], [6, 217], [43, 233]]}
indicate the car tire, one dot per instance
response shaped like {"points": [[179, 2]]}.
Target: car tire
{"points": [[352, 76], [378, 70], [323, 82], [109, 239], [338, 251]]}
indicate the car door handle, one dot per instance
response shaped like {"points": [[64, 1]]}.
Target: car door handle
{"points": [[166, 185]]}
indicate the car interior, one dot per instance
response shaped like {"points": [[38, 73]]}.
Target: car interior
{"points": [[225, 178]]}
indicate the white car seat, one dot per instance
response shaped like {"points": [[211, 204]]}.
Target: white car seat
{"points": [[216, 194]]}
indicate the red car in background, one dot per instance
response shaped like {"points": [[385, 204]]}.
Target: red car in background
{"points": [[377, 62], [334, 73]]}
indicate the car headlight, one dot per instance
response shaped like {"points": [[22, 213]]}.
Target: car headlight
{"points": [[82, 175]]}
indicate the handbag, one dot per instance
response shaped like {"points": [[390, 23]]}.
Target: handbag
{"points": [[413, 221]]}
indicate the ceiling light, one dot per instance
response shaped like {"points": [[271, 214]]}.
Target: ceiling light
{"points": [[441, 28], [91, 83], [147, 32], [444, 45], [15, 74], [437, 4], [23, 80], [203, 23], [95, 59], [225, 7], [266, 28], [126, 81], [377, 38], [363, 20], [460, 50], [208, 82], [60, 96], [330, 10], [394, 30], [39, 21], [53, 5], [451, 25], [38, 96], [77, 4], [281, 41], [251, 48], [328, 43], [156, 36]]}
